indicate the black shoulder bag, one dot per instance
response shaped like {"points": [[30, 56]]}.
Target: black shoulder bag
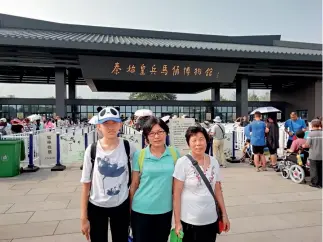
{"points": [[208, 185]]}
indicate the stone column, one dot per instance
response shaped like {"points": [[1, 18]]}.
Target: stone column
{"points": [[242, 97], [60, 91]]}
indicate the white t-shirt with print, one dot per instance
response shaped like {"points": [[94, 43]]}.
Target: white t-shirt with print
{"points": [[197, 203], [110, 175]]}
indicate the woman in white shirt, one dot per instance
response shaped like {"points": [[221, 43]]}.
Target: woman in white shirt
{"points": [[194, 206]]}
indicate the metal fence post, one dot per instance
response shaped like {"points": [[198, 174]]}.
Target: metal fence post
{"points": [[58, 166], [233, 158], [31, 167]]}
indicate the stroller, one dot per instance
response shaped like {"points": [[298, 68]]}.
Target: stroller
{"points": [[295, 166]]}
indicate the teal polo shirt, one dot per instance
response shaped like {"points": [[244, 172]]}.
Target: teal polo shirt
{"points": [[154, 194]]}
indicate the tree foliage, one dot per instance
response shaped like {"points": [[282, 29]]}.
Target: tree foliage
{"points": [[152, 96]]}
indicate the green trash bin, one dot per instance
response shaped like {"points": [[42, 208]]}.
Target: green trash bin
{"points": [[10, 153]]}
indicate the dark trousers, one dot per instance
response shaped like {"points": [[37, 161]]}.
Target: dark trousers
{"points": [[202, 233], [151, 228], [289, 143], [99, 222], [316, 172]]}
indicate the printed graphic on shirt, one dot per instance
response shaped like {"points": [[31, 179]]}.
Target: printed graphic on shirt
{"points": [[209, 173], [109, 169]]}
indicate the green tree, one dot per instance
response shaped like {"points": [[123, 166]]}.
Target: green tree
{"points": [[222, 98], [253, 97], [152, 96], [265, 97]]}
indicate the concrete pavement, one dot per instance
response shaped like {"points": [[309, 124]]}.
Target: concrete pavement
{"points": [[262, 206]]}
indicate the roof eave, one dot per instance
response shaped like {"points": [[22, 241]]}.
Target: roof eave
{"points": [[40, 43]]}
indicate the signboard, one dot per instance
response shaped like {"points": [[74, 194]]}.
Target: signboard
{"points": [[208, 116], [137, 69], [178, 128], [135, 139], [47, 148], [72, 148], [227, 146]]}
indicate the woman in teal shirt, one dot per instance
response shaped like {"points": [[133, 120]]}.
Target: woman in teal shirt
{"points": [[151, 188]]}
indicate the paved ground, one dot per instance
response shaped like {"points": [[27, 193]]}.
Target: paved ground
{"points": [[44, 207]]}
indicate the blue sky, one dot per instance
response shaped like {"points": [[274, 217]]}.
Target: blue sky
{"points": [[295, 20]]}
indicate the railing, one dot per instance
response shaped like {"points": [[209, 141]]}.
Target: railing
{"points": [[56, 147]]}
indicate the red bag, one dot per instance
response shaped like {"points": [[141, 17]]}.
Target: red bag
{"points": [[294, 137]]}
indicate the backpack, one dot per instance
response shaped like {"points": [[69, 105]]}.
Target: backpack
{"points": [[143, 152], [127, 148]]}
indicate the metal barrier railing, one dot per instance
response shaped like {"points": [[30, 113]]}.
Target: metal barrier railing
{"points": [[58, 145]]}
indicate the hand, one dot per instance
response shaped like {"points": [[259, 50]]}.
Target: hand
{"points": [[226, 223], [85, 228], [290, 133], [178, 228]]}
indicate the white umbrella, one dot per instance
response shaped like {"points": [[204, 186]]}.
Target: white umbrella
{"points": [[143, 112], [34, 117], [266, 110]]}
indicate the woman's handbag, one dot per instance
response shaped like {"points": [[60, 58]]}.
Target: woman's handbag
{"points": [[208, 185]]}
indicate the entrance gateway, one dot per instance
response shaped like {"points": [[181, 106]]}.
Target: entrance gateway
{"points": [[127, 60]]}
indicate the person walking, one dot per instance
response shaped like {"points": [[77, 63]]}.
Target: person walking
{"points": [[258, 129], [218, 134], [152, 182], [106, 177]]}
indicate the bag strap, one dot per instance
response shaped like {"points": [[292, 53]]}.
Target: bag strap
{"points": [[205, 180], [93, 155], [223, 135], [143, 152], [141, 159], [127, 148], [173, 153]]}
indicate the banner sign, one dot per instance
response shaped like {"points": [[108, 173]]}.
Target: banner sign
{"points": [[72, 148], [47, 148], [139, 69]]}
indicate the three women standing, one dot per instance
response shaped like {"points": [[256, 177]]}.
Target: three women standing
{"points": [[151, 200]]}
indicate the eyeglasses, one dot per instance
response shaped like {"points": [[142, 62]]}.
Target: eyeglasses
{"points": [[159, 133]]}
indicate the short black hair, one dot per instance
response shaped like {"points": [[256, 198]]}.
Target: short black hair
{"points": [[150, 123], [300, 134], [247, 140], [193, 130], [258, 114]]}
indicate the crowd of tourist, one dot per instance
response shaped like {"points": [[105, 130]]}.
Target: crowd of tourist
{"points": [[32, 123]]}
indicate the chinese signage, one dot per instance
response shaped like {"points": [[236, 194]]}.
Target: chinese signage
{"points": [[72, 148], [135, 139], [119, 68], [47, 148], [178, 129]]}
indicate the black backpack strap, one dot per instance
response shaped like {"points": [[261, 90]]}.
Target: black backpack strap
{"points": [[93, 155], [127, 148]]}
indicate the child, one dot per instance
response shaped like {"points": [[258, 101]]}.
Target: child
{"points": [[300, 134], [314, 142], [246, 151], [106, 179]]}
